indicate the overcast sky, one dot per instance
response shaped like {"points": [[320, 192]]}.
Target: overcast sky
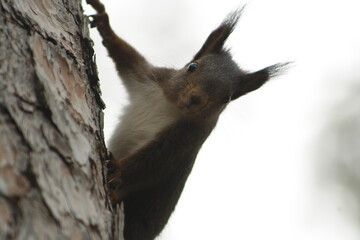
{"points": [[258, 176]]}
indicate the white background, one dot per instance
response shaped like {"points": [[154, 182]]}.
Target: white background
{"points": [[264, 173]]}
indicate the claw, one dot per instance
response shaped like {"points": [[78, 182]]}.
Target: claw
{"points": [[92, 19], [99, 20], [113, 182]]}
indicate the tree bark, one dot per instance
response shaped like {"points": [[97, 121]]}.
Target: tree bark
{"points": [[52, 150]]}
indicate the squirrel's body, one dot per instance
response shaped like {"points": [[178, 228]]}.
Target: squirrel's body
{"points": [[170, 115]]}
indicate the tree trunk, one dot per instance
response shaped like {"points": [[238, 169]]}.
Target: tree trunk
{"points": [[52, 149]]}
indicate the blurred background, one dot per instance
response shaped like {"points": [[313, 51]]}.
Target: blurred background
{"points": [[284, 161]]}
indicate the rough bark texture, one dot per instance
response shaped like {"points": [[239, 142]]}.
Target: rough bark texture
{"points": [[51, 141]]}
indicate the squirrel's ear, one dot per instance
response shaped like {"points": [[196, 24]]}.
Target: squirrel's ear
{"points": [[215, 41], [252, 81]]}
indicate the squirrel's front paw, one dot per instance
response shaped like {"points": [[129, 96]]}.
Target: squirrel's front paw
{"points": [[99, 20], [115, 183]]}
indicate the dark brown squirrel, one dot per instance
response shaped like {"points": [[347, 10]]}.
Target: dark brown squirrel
{"points": [[170, 115]]}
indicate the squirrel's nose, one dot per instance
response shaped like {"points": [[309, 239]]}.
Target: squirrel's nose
{"points": [[194, 100]]}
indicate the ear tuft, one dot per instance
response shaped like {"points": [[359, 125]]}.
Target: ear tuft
{"points": [[215, 41], [232, 19], [252, 81], [277, 69]]}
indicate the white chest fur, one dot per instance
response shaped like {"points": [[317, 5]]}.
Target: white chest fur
{"points": [[147, 114]]}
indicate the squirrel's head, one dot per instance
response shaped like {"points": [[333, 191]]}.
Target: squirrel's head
{"points": [[203, 87]]}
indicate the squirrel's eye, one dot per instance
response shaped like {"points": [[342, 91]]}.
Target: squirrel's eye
{"points": [[227, 100], [192, 66]]}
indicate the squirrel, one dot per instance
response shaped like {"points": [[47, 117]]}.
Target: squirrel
{"points": [[170, 115]]}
